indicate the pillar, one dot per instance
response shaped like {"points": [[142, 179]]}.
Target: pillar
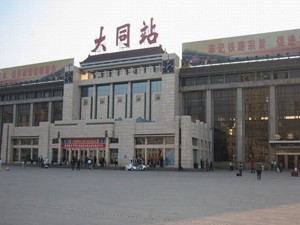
{"points": [[240, 134]]}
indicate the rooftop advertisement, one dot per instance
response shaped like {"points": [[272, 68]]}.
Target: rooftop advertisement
{"points": [[32, 72], [241, 48]]}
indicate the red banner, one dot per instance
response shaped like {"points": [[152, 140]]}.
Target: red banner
{"points": [[84, 145]]}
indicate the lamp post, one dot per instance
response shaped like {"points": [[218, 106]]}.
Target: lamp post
{"points": [[59, 148]]}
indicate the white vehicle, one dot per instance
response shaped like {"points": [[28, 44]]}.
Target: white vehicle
{"points": [[135, 166]]}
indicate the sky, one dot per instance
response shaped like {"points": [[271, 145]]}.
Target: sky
{"points": [[35, 31]]}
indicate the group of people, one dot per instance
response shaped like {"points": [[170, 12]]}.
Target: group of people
{"points": [[257, 167]]}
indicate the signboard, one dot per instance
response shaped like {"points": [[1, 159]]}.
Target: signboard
{"points": [[84, 143], [32, 72], [258, 46], [123, 36]]}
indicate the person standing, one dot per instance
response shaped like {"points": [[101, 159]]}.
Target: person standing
{"points": [[252, 167], [258, 170], [240, 169], [73, 161], [0, 164], [116, 162], [78, 164], [230, 166]]}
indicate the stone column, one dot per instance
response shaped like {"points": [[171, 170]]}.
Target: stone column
{"points": [[240, 122], [111, 102], [49, 111], [31, 115], [272, 119], [148, 99], [94, 100], [129, 108]]}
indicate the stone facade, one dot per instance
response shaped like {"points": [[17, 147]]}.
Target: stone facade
{"points": [[142, 124]]}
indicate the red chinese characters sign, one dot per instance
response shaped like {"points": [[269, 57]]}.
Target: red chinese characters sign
{"points": [[84, 143], [32, 72], [242, 48], [123, 36]]}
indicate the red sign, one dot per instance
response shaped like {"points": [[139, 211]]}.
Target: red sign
{"points": [[84, 143], [282, 43], [123, 36]]}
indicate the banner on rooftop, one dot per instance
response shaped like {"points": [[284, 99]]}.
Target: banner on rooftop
{"points": [[258, 46], [32, 72]]}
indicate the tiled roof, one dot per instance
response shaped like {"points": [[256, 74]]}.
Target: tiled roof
{"points": [[123, 55]]}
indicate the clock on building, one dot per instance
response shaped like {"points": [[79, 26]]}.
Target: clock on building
{"points": [[168, 66]]}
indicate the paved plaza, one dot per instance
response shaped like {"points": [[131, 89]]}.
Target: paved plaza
{"points": [[60, 196]]}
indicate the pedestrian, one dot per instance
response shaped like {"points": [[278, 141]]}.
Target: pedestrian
{"points": [[206, 165], [78, 164], [73, 162], [252, 170], [116, 162], [0, 164], [25, 162], [211, 168], [240, 169], [230, 166], [258, 170], [201, 164]]}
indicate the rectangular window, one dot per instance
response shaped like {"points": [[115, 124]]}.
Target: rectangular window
{"points": [[114, 140], [266, 75], [23, 114], [48, 94], [103, 90], [217, 79], [295, 73], [30, 95], [224, 104], [121, 89], [155, 140], [256, 103], [58, 93], [202, 80], [15, 155], [140, 87], [169, 140], [35, 141], [40, 112], [22, 96], [195, 105], [248, 77], [13, 97], [188, 81], [195, 141], [7, 113], [231, 78], [56, 111], [39, 94], [87, 92], [280, 75], [25, 141], [140, 141]]}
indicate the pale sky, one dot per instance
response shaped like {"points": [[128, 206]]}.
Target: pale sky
{"points": [[34, 31]]}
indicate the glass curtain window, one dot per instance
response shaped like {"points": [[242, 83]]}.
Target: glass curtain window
{"points": [[224, 102], [40, 113], [23, 115], [195, 105], [57, 108], [256, 103], [288, 106]]}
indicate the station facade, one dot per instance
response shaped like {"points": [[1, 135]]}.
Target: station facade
{"points": [[121, 105], [247, 90], [230, 99]]}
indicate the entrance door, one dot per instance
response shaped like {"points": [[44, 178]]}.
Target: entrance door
{"points": [[291, 161]]}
